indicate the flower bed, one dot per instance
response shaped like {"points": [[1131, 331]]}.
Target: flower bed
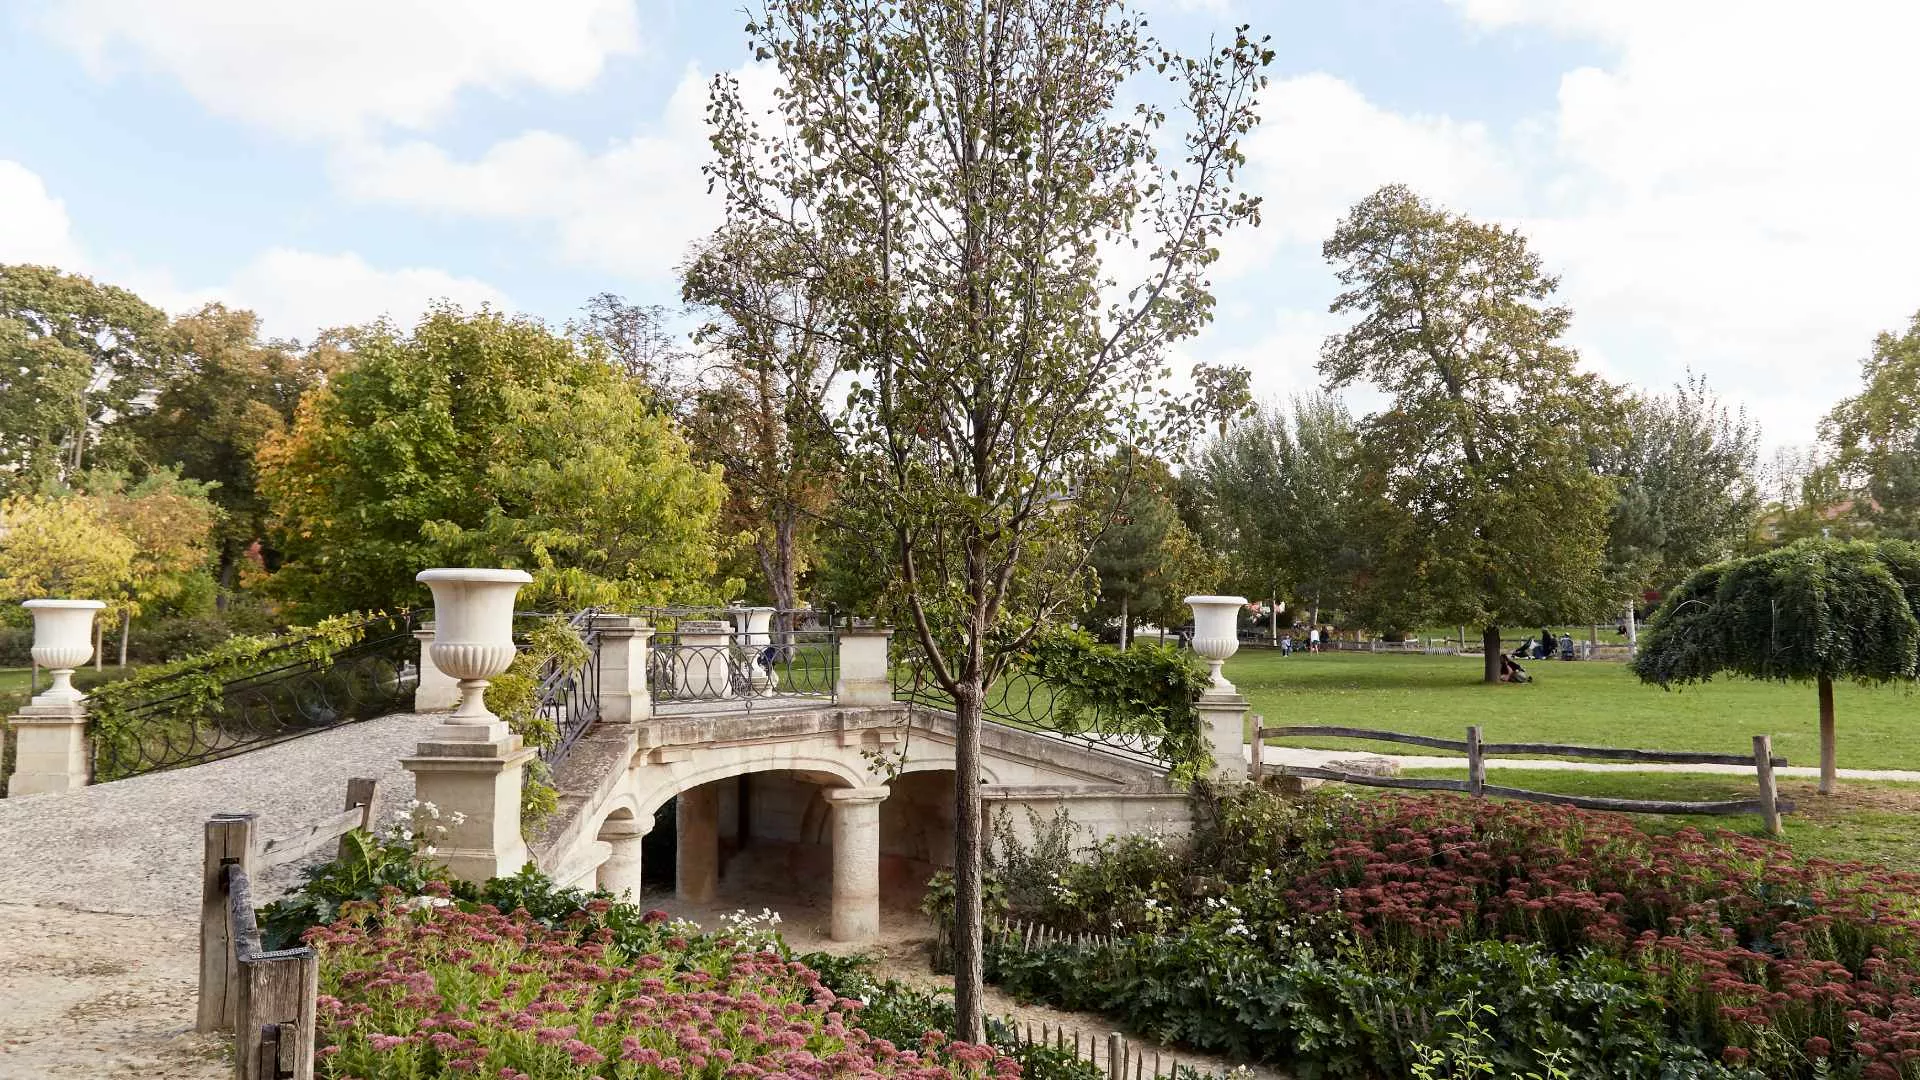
{"points": [[1353, 937], [417, 990]]}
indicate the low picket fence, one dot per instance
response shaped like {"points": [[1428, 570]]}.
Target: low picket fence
{"points": [[1766, 803], [268, 1000]]}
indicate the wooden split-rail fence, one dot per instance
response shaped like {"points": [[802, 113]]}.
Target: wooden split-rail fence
{"points": [[1767, 803], [268, 1000]]}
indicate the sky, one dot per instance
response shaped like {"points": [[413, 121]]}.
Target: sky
{"points": [[1726, 188]]}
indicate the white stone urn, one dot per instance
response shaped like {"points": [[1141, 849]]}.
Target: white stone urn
{"points": [[62, 641], [1216, 633], [758, 634], [473, 632]]}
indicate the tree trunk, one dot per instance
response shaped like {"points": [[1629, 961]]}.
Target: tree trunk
{"points": [[1273, 617], [969, 959], [126, 631], [1126, 624], [1633, 631], [1490, 644], [1829, 783], [99, 644]]}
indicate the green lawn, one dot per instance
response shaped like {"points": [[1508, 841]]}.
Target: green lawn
{"points": [[1870, 822], [1592, 702]]}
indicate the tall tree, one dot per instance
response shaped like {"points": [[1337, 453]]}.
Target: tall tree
{"points": [[1483, 454], [639, 340], [228, 393], [1280, 486], [756, 403], [1686, 467], [171, 523], [74, 354], [1147, 560], [483, 438], [1814, 611], [61, 547], [1875, 436], [954, 170]]}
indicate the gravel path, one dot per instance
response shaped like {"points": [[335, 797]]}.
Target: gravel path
{"points": [[1296, 755], [100, 900], [134, 846]]}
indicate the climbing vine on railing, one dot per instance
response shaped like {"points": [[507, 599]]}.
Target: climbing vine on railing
{"points": [[550, 645], [1148, 690], [162, 702]]}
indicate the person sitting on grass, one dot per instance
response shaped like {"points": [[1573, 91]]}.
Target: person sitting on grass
{"points": [[1511, 671]]}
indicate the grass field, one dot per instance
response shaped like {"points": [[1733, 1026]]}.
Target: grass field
{"points": [[1871, 822], [1592, 702]]}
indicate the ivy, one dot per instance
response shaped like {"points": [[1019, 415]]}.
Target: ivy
{"points": [[167, 702], [552, 647], [1149, 689]]}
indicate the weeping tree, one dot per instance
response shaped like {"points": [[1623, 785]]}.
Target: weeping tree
{"points": [[959, 179], [1814, 611]]}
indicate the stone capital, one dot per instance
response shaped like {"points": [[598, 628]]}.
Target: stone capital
{"points": [[856, 795]]}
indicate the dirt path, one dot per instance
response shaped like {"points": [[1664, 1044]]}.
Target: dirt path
{"points": [[91, 995]]}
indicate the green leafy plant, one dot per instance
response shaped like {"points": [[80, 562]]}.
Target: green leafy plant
{"points": [[551, 648], [1149, 690], [169, 701]]}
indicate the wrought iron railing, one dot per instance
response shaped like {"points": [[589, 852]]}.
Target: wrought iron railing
{"points": [[724, 655], [571, 699], [290, 696], [1023, 699]]}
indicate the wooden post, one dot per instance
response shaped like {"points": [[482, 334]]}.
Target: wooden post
{"points": [[1769, 800], [360, 792], [281, 990], [1113, 1055], [1476, 764], [1259, 748], [229, 841]]}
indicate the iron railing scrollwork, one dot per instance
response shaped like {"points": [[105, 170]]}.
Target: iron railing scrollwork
{"points": [[571, 699], [292, 695], [1025, 700], [742, 657]]}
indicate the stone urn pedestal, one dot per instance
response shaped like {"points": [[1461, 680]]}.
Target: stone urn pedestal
{"points": [[1223, 712], [50, 732], [469, 766]]}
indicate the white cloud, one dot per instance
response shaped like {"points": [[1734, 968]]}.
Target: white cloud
{"points": [[299, 292], [295, 293], [631, 208], [340, 68], [33, 224]]}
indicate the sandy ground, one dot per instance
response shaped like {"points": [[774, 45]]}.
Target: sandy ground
{"points": [[91, 994]]}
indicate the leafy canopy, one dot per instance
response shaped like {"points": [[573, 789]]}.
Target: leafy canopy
{"points": [[1476, 476], [1811, 610], [480, 439], [1875, 436]]}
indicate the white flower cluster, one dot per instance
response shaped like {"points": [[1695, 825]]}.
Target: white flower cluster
{"points": [[418, 823]]}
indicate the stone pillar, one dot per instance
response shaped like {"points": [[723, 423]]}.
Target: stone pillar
{"points": [[703, 661], [1223, 726], [50, 750], [625, 697], [696, 874], [856, 862], [620, 874], [438, 691], [864, 678], [470, 764], [50, 732]]}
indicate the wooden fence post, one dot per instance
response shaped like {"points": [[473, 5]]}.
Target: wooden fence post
{"points": [[360, 792], [280, 991], [229, 841], [1113, 1056], [1259, 748], [1769, 798], [1476, 764]]}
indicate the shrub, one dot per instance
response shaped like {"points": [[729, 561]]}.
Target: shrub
{"points": [[426, 991], [1341, 935]]}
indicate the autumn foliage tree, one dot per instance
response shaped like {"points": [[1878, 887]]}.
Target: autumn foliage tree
{"points": [[1483, 495]]}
